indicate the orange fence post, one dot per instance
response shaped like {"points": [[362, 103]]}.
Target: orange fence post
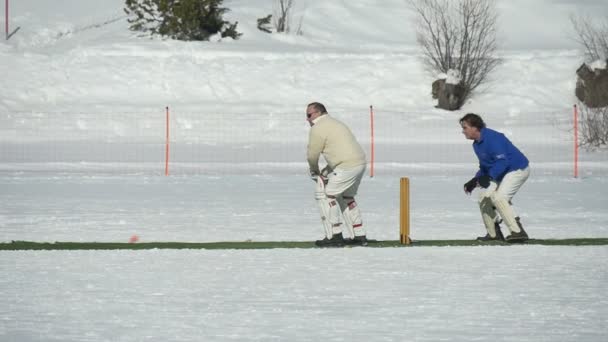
{"points": [[575, 142], [371, 116], [6, 19], [167, 144]]}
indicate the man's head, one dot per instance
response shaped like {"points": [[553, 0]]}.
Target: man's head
{"points": [[314, 110], [472, 124]]}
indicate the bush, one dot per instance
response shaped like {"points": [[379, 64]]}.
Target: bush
{"points": [[282, 16], [457, 35], [593, 126], [180, 19]]}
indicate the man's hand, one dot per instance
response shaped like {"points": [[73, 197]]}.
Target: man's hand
{"points": [[326, 171], [316, 177], [470, 185], [484, 181], [313, 176], [323, 179]]}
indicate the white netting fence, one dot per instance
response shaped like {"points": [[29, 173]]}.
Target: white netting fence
{"points": [[200, 142]]}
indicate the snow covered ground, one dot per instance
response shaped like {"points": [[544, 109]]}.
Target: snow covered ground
{"points": [[519, 293], [82, 129]]}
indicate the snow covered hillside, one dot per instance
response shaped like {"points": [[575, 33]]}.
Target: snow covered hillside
{"points": [[80, 56]]}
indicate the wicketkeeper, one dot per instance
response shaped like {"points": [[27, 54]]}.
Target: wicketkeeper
{"points": [[503, 169]]}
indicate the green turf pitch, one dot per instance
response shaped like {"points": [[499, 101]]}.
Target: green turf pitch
{"points": [[29, 245]]}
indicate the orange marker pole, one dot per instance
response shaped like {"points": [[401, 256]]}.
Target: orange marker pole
{"points": [[167, 144], [371, 117], [6, 19], [575, 142]]}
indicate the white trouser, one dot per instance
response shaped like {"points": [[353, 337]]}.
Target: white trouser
{"points": [[345, 182], [497, 197]]}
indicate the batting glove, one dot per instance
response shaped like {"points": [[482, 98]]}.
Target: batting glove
{"points": [[470, 185], [484, 181]]}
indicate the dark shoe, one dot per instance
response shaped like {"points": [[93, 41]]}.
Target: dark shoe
{"points": [[518, 237], [336, 241], [499, 236], [357, 241]]}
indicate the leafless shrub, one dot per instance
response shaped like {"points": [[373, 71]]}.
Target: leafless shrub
{"points": [[591, 36], [593, 124], [460, 35], [282, 15]]}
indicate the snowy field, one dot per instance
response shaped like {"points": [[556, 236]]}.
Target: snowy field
{"points": [[82, 148], [200, 208], [519, 293]]}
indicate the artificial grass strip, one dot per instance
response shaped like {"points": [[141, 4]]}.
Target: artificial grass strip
{"points": [[31, 245]]}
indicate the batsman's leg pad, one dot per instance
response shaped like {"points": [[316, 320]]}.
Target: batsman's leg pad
{"points": [[346, 217], [335, 216], [323, 205], [488, 214], [354, 215]]}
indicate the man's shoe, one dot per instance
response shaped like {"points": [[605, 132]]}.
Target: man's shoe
{"points": [[357, 241], [336, 241], [518, 237], [499, 236]]}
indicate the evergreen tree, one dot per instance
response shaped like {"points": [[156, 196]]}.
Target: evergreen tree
{"points": [[145, 16], [180, 19], [264, 24]]}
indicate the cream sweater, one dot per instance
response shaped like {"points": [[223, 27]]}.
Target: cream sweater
{"points": [[336, 142]]}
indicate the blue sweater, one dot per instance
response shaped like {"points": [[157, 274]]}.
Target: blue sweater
{"points": [[497, 155]]}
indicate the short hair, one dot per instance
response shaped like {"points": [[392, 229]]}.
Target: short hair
{"points": [[473, 120], [318, 106]]}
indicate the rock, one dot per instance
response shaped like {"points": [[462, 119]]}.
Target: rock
{"points": [[592, 85], [450, 96]]}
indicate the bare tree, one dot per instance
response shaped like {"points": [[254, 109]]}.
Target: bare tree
{"points": [[458, 35], [282, 15], [591, 36], [592, 85], [593, 126]]}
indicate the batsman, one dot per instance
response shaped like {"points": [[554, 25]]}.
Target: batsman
{"points": [[338, 182]]}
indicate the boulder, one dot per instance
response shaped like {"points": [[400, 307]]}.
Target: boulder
{"points": [[450, 96], [592, 84]]}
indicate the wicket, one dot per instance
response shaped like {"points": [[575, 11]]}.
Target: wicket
{"points": [[404, 211]]}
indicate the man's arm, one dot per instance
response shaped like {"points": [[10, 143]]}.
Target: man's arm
{"points": [[479, 173], [498, 152], [315, 147]]}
